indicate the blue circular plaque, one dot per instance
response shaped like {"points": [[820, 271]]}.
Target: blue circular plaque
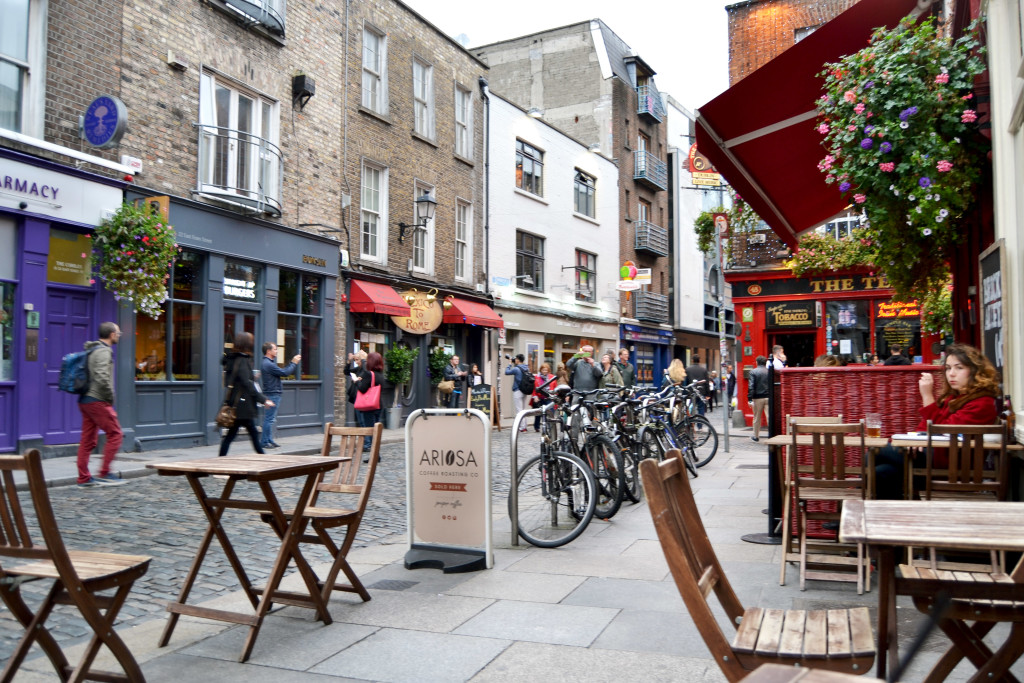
{"points": [[104, 122]]}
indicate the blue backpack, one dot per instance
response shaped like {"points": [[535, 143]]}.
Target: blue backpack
{"points": [[74, 372]]}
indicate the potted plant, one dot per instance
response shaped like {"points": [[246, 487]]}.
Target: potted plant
{"points": [[398, 362], [900, 131], [438, 360], [136, 249]]}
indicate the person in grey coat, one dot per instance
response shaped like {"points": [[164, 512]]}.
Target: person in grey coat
{"points": [[584, 373]]}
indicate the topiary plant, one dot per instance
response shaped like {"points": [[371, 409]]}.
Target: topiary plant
{"points": [[439, 358], [398, 361]]}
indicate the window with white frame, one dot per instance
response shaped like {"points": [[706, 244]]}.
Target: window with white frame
{"points": [[841, 226], [238, 157], [463, 123], [529, 261], [22, 66], [529, 168], [373, 223], [423, 239], [375, 65], [463, 239], [586, 271], [583, 194], [423, 98]]}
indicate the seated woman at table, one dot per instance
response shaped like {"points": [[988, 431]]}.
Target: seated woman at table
{"points": [[967, 397]]}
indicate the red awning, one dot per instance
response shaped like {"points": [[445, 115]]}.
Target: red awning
{"points": [[472, 313], [370, 297], [760, 133]]}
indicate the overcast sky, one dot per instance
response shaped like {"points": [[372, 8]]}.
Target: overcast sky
{"points": [[684, 41]]}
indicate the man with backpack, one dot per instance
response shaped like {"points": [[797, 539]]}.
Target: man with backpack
{"points": [[97, 408], [522, 383]]}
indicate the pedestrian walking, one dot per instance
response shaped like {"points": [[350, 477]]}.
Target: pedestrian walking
{"points": [[698, 373], [270, 378], [97, 408], [242, 392], [519, 393], [372, 376], [757, 393]]}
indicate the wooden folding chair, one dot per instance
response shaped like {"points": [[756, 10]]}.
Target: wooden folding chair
{"points": [[789, 551], [968, 639], [353, 481], [835, 639], [831, 475], [77, 579], [977, 469]]}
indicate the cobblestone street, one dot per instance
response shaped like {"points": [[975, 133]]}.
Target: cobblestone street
{"points": [[158, 516]]}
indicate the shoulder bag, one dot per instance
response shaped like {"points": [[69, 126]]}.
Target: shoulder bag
{"points": [[370, 400], [226, 415], [447, 386]]}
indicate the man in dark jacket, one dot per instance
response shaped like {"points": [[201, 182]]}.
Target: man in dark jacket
{"points": [[730, 386], [270, 378], [698, 373], [897, 357], [97, 408], [757, 393], [626, 369], [584, 373]]}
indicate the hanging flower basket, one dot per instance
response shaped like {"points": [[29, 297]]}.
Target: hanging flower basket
{"points": [[135, 251], [819, 253], [900, 132]]}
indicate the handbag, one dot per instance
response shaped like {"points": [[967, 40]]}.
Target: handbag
{"points": [[370, 400], [226, 415], [447, 386]]}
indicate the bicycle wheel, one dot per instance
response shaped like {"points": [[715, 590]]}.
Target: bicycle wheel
{"points": [[704, 438], [650, 446], [631, 474], [690, 459], [606, 462], [557, 496]]}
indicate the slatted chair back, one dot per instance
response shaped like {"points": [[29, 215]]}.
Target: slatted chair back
{"points": [[836, 457], [976, 467], [837, 640], [352, 476]]}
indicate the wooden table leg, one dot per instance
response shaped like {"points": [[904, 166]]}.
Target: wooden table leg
{"points": [[998, 667], [888, 639], [289, 549]]}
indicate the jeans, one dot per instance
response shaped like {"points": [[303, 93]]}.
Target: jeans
{"points": [[452, 400], [367, 418], [97, 415], [270, 419], [250, 426]]}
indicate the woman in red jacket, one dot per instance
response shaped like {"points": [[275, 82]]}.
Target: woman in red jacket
{"points": [[967, 396]]}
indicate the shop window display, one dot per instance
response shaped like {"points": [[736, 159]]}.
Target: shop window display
{"points": [[179, 327], [300, 306]]}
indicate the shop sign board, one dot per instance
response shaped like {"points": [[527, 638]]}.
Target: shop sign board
{"points": [[448, 475], [991, 276], [823, 286], [425, 313], [789, 314]]}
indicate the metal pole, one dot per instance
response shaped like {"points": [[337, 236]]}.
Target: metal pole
{"points": [[721, 335]]}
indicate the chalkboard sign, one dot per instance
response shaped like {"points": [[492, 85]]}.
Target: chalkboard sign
{"points": [[991, 277], [480, 398]]}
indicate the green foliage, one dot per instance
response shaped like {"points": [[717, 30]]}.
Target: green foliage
{"points": [[704, 226], [819, 253], [136, 249], [398, 361], [900, 132], [439, 358], [937, 311]]}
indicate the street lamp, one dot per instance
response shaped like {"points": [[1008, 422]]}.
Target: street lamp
{"points": [[425, 206]]}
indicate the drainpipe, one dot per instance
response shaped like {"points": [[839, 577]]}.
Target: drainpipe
{"points": [[486, 97]]}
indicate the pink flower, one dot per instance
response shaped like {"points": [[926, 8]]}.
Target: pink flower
{"points": [[887, 166], [851, 127], [823, 128], [859, 108], [859, 198], [826, 163], [944, 166], [969, 116], [850, 96], [942, 78]]}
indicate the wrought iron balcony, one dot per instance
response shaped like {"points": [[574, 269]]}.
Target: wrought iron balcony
{"points": [[239, 167], [268, 13], [648, 101], [650, 238], [650, 170], [651, 307]]}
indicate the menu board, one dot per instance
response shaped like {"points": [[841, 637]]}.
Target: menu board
{"points": [[480, 398], [991, 277]]}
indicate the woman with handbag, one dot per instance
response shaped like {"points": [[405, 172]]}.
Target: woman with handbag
{"points": [[368, 395], [242, 391]]}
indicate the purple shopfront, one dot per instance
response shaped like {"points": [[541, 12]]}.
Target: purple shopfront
{"points": [[48, 304]]}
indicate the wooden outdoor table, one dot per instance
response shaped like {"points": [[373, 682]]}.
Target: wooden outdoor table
{"points": [[260, 469], [781, 673], [776, 453], [891, 525]]}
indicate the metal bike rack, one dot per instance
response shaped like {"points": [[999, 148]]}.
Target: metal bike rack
{"points": [[513, 456]]}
